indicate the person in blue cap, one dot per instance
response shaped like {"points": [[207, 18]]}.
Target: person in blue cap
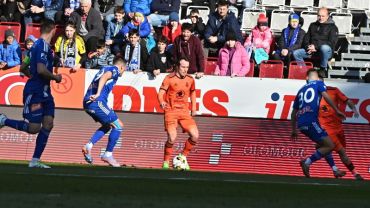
{"points": [[291, 39]]}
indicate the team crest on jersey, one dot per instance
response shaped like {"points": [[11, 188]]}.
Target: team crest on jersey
{"points": [[180, 94]]}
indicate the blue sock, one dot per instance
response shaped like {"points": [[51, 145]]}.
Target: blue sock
{"points": [[329, 158], [316, 156], [99, 134], [113, 138], [15, 124], [41, 141]]}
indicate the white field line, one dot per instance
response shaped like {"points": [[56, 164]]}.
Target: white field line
{"points": [[187, 179]]}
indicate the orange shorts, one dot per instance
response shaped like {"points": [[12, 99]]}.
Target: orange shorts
{"points": [[173, 118], [338, 139]]}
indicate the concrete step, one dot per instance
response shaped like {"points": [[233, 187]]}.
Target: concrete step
{"points": [[359, 48], [352, 64], [356, 56]]}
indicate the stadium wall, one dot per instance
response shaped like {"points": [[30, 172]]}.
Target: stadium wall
{"points": [[242, 145]]}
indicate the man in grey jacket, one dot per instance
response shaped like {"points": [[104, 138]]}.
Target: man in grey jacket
{"points": [[89, 24]]}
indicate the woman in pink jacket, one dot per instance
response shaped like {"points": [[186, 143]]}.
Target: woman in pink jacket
{"points": [[233, 59], [261, 35]]}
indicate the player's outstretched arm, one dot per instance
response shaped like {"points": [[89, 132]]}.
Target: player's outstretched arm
{"points": [[103, 79], [294, 124], [332, 104], [25, 70], [353, 108], [46, 74], [193, 98]]}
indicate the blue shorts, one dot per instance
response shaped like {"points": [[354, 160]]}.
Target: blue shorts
{"points": [[313, 131], [36, 107], [100, 112]]}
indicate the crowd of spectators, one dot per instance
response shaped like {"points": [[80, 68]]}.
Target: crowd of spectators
{"points": [[150, 35]]}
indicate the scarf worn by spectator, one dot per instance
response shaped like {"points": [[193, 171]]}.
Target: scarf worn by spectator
{"points": [[134, 61], [68, 61], [293, 39]]}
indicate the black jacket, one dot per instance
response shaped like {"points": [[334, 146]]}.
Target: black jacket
{"points": [[159, 61], [199, 28], [298, 44], [321, 34], [165, 7], [94, 23]]}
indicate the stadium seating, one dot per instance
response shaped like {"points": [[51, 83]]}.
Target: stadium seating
{"points": [[249, 19], [271, 69], [33, 29], [251, 71], [203, 12], [331, 4], [343, 22], [309, 17], [358, 4], [301, 3], [279, 19], [272, 2], [298, 70], [211, 64], [15, 26]]}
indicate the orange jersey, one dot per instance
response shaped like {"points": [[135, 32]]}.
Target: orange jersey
{"points": [[328, 118], [178, 91]]}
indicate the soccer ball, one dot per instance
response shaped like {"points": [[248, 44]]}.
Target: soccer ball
{"points": [[179, 162]]}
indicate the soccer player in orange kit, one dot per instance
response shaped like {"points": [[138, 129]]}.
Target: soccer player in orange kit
{"points": [[333, 125], [173, 96]]}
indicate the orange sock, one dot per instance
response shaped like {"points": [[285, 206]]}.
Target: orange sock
{"points": [[188, 146], [167, 151]]}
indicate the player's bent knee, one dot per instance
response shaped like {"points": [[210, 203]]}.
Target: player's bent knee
{"points": [[118, 125], [49, 126], [34, 129]]}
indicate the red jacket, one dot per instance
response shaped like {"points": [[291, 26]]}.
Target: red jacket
{"points": [[167, 32]]}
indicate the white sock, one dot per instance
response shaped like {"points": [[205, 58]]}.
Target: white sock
{"points": [[89, 146], [308, 161], [108, 154], [334, 168], [35, 160]]}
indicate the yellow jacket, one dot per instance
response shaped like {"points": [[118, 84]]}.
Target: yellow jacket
{"points": [[61, 49]]}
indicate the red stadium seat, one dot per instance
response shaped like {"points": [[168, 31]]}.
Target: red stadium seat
{"points": [[251, 71], [15, 26], [271, 69], [298, 71], [211, 64], [33, 29], [59, 30]]}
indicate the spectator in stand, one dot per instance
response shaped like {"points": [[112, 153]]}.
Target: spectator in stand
{"points": [[106, 8], [10, 52], [198, 26], [233, 59], [132, 6], [160, 60], [70, 48], [320, 40], [161, 9], [12, 11], [140, 23], [69, 6], [173, 29], [42, 9], [30, 40], [89, 24], [189, 46], [219, 23], [100, 57], [291, 39], [113, 37], [135, 54], [260, 39]]}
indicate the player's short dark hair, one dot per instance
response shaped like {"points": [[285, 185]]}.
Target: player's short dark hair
{"points": [[187, 26], [162, 39], [100, 44], [47, 26], [194, 11], [119, 60], [133, 32], [119, 9], [223, 3], [180, 59], [309, 71]]}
